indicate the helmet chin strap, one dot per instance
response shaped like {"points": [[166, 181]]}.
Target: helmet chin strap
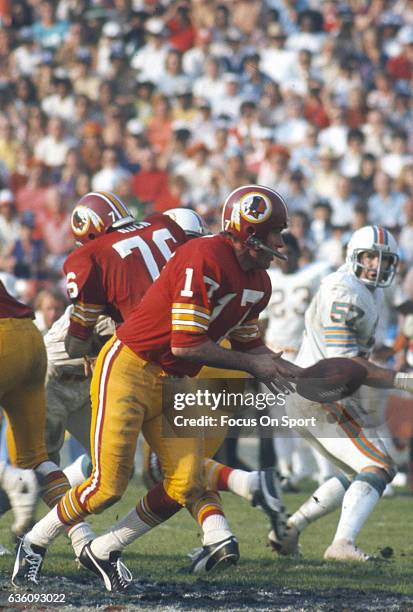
{"points": [[256, 243]]}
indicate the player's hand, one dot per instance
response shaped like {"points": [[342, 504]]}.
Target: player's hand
{"points": [[271, 368], [89, 365]]}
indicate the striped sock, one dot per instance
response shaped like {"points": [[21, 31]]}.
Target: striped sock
{"points": [[217, 475], [208, 513], [153, 509], [53, 482]]}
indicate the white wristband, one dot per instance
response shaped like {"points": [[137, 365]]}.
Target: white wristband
{"points": [[404, 382]]}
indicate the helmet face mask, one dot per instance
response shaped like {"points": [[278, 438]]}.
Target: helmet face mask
{"points": [[251, 212], [96, 213], [379, 243]]}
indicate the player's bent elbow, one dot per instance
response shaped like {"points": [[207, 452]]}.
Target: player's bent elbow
{"points": [[182, 352]]}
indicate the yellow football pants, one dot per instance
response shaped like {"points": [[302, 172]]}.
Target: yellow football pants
{"points": [[126, 394], [23, 363]]}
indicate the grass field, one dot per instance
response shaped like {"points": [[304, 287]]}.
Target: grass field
{"points": [[260, 581]]}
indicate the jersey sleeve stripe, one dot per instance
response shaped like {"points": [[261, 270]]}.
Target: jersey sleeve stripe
{"points": [[88, 308], [189, 328], [188, 311], [191, 307], [189, 324], [83, 322], [340, 336], [189, 317]]}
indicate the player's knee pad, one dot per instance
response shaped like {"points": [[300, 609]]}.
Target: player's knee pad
{"points": [[100, 502], [374, 480], [185, 496]]}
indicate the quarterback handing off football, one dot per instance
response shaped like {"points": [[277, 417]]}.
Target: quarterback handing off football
{"points": [[330, 380]]}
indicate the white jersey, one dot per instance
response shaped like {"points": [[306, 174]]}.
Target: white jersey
{"points": [[57, 356], [290, 297], [341, 320]]}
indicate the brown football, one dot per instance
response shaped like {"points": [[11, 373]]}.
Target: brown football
{"points": [[330, 380]]}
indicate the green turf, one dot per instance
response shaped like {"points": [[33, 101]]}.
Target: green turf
{"points": [[160, 555]]}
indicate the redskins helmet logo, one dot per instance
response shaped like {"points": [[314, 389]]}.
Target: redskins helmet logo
{"points": [[83, 218], [255, 207]]}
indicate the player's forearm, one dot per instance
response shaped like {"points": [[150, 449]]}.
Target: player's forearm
{"points": [[76, 347], [210, 354], [380, 378]]}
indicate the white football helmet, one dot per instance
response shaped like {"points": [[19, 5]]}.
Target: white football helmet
{"points": [[189, 220], [374, 238]]}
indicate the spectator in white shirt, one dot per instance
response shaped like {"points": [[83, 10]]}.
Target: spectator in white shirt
{"points": [[150, 59], [393, 163], [173, 79], [335, 136], [53, 148], [107, 178], [210, 86], [276, 60], [61, 103], [193, 60]]}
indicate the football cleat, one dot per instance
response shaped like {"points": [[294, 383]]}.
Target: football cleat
{"points": [[215, 556], [28, 563], [344, 550], [23, 498], [268, 497], [288, 545], [112, 571]]}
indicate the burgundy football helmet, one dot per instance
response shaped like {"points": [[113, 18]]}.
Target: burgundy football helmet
{"points": [[97, 212], [251, 212]]}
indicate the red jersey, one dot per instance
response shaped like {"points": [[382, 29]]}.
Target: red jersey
{"points": [[10, 308], [202, 293], [111, 274]]}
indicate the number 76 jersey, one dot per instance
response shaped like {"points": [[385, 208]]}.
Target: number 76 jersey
{"points": [[112, 273], [202, 293]]}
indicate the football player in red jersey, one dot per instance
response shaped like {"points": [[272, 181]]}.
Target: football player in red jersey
{"points": [[22, 374], [111, 275], [213, 287]]}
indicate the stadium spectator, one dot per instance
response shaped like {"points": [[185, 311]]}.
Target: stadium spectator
{"points": [[53, 148], [106, 178], [49, 306]]}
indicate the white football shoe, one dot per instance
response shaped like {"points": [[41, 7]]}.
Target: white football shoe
{"points": [[23, 490], [344, 550], [286, 546]]}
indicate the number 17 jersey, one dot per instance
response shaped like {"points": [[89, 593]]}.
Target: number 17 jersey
{"points": [[112, 273]]}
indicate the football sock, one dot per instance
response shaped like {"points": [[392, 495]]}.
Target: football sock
{"points": [[325, 499], [223, 478], [359, 501], [45, 530], [78, 471], [208, 513], [215, 529], [53, 482], [155, 508], [80, 535]]}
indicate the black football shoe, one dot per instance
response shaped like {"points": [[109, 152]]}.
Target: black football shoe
{"points": [[28, 563], [112, 571], [215, 556]]}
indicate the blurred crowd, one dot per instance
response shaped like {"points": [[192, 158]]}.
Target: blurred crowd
{"points": [[176, 102]]}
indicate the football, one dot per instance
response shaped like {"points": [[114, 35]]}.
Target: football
{"points": [[330, 380]]}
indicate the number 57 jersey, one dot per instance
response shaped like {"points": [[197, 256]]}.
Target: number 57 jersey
{"points": [[202, 293], [341, 320], [112, 273]]}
